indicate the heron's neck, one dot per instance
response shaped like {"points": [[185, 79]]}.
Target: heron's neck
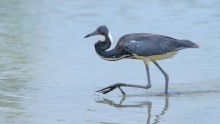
{"points": [[101, 49]]}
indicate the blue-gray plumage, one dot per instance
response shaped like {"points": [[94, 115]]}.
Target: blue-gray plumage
{"points": [[143, 46], [151, 44]]}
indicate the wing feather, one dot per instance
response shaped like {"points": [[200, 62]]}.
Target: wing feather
{"points": [[149, 44]]}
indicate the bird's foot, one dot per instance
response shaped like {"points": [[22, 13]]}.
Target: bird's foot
{"points": [[111, 88]]}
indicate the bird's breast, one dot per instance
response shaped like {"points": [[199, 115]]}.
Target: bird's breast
{"points": [[156, 57]]}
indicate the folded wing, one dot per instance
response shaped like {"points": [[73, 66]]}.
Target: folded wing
{"points": [[149, 44]]}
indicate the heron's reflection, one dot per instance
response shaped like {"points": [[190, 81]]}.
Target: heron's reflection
{"points": [[148, 104]]}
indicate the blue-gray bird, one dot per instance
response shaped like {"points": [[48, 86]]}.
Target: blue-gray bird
{"points": [[143, 46]]}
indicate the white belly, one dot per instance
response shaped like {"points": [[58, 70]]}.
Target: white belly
{"points": [[157, 57]]}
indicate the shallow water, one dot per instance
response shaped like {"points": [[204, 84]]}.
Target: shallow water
{"points": [[49, 72]]}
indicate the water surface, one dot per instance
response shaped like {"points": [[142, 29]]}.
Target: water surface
{"points": [[49, 72]]}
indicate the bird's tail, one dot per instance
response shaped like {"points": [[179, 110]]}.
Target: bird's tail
{"points": [[188, 44]]}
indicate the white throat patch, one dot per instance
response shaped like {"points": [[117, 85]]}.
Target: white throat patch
{"points": [[110, 37]]}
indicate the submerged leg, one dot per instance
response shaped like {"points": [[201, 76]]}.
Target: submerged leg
{"points": [[165, 75], [119, 85]]}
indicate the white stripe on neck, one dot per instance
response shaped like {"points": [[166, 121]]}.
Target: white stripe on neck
{"points": [[110, 37], [113, 58]]}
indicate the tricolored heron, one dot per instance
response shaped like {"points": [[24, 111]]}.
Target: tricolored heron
{"points": [[143, 46]]}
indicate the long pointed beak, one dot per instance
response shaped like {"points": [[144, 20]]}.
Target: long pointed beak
{"points": [[91, 34]]}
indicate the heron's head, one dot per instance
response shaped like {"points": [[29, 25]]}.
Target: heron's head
{"points": [[101, 30]]}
